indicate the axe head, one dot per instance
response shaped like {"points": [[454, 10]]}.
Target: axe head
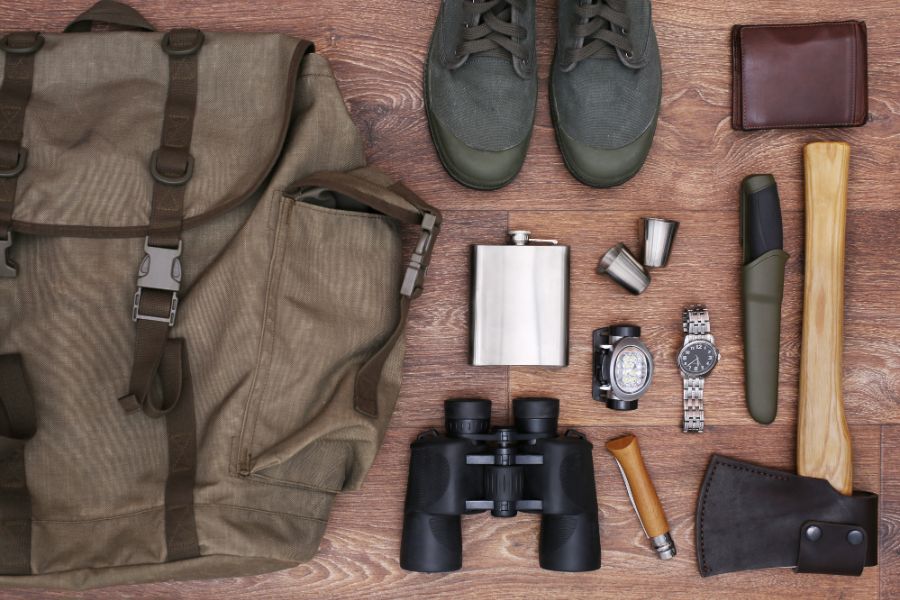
{"points": [[751, 517]]}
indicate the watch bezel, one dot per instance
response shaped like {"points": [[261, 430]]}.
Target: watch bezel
{"points": [[684, 349]]}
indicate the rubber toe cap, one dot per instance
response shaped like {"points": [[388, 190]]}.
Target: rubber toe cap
{"points": [[600, 167], [479, 169]]}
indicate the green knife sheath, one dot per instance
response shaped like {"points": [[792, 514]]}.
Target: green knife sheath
{"points": [[762, 289], [762, 279]]}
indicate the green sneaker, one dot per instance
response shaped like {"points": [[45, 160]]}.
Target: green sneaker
{"points": [[605, 88], [481, 89]]}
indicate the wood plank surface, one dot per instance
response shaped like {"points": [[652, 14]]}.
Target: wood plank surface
{"points": [[890, 511], [377, 50]]}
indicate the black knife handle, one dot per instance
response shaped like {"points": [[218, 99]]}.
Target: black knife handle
{"points": [[761, 228]]}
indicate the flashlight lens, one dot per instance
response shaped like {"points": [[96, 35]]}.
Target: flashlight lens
{"points": [[631, 370]]}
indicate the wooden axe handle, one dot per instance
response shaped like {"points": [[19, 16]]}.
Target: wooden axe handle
{"points": [[823, 439]]}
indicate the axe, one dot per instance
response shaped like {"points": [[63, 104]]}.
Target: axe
{"points": [[752, 517]]}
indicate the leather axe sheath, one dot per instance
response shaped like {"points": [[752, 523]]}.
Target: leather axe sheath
{"points": [[752, 517]]}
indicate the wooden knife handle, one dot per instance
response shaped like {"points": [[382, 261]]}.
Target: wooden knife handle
{"points": [[823, 439], [628, 454]]}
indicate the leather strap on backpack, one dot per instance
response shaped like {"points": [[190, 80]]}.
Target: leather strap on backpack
{"points": [[15, 92], [17, 426], [375, 190]]}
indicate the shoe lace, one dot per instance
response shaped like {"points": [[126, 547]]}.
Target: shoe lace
{"points": [[596, 33], [490, 31]]}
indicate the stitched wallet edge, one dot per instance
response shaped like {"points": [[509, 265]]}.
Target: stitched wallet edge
{"points": [[860, 116]]}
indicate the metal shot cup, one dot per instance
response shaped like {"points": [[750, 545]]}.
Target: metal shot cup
{"points": [[624, 269], [658, 236]]}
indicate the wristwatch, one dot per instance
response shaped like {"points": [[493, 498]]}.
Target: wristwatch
{"points": [[696, 360]]}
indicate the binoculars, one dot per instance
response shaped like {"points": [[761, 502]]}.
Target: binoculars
{"points": [[504, 470]]}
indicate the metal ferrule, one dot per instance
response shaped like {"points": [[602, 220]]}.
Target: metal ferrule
{"points": [[664, 546]]}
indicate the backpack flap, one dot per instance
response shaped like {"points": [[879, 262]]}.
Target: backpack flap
{"points": [[93, 116]]}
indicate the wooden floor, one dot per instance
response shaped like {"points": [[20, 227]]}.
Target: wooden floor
{"points": [[376, 48]]}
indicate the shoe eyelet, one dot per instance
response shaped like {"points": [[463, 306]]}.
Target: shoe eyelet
{"points": [[624, 31], [629, 55]]}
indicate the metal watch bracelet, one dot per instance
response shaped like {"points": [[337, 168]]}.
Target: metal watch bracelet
{"points": [[695, 321], [693, 405]]}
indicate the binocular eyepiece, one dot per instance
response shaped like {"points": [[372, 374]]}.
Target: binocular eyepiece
{"points": [[473, 416], [525, 467]]}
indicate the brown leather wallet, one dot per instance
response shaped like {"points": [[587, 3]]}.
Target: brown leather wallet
{"points": [[806, 75]]}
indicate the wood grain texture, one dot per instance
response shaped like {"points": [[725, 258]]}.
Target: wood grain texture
{"points": [[627, 452], [693, 174], [889, 555], [824, 448]]}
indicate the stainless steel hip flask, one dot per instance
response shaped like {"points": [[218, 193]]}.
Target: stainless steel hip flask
{"points": [[520, 303]]}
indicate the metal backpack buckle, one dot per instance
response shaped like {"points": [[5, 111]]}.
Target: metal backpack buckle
{"points": [[160, 269], [421, 256]]}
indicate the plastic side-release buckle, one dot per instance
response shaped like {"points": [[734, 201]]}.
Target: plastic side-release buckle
{"points": [[414, 278], [160, 269]]}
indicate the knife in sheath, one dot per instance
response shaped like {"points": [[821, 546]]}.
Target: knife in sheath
{"points": [[762, 279]]}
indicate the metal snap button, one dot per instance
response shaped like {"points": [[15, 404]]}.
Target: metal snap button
{"points": [[855, 537], [813, 533]]}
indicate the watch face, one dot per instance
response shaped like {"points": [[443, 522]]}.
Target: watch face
{"points": [[631, 370], [698, 358]]}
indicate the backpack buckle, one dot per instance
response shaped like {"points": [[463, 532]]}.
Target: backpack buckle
{"points": [[418, 263], [160, 269], [8, 269]]}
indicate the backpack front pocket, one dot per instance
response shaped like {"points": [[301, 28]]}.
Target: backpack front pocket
{"points": [[332, 300]]}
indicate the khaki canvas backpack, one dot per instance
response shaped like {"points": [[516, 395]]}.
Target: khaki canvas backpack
{"points": [[202, 302]]}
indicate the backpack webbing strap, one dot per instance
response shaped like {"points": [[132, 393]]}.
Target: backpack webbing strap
{"points": [[15, 92], [375, 190], [181, 434], [17, 426], [369, 376], [156, 300], [159, 275]]}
